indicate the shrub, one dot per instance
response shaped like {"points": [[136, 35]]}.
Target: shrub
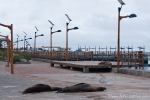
{"points": [[17, 58], [3, 55], [26, 56]]}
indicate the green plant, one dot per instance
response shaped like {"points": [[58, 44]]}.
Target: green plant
{"points": [[17, 58], [3, 55], [26, 56]]}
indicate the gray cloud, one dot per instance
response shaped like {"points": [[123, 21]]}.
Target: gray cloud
{"points": [[97, 21]]}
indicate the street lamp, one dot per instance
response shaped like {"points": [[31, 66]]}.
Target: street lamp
{"points": [[119, 19], [18, 41], [11, 29], [25, 40], [27, 44], [51, 39], [35, 40], [67, 35]]}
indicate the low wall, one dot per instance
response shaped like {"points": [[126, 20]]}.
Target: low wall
{"points": [[135, 72], [43, 60]]}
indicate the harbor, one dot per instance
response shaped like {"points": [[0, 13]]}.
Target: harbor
{"points": [[74, 50]]}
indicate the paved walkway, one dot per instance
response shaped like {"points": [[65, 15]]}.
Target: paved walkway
{"points": [[119, 86]]}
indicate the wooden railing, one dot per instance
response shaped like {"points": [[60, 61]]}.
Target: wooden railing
{"points": [[130, 58]]}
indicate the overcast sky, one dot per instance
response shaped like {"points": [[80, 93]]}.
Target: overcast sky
{"points": [[97, 21]]}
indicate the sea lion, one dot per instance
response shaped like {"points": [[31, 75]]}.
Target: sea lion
{"points": [[105, 63], [81, 87], [40, 88]]}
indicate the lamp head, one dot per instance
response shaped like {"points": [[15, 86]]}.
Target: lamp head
{"points": [[51, 22], [42, 35], [30, 38], [58, 31], [141, 48], [68, 17], [121, 2], [36, 28], [132, 15], [25, 33], [17, 35], [75, 28]]}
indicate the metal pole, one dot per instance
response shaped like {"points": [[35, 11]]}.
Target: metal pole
{"points": [[12, 65], [51, 45], [7, 51], [118, 54], [24, 43], [34, 45], [67, 41], [17, 45]]}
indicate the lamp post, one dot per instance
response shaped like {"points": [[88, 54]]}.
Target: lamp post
{"points": [[24, 39], [67, 35], [51, 39], [27, 44], [119, 19], [35, 40], [11, 29], [18, 41], [27, 39]]}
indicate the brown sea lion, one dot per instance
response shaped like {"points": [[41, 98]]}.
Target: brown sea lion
{"points": [[81, 87], [105, 62], [40, 88]]}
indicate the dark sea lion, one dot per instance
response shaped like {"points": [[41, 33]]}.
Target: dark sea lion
{"points": [[40, 88], [81, 87], [105, 63]]}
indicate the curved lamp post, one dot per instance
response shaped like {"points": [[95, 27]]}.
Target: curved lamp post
{"points": [[67, 35], [35, 40], [119, 19], [51, 39], [11, 53], [8, 49]]}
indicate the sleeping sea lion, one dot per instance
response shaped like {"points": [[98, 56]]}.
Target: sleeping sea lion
{"points": [[40, 88], [105, 63], [81, 87]]}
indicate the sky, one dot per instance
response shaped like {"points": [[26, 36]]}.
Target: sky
{"points": [[97, 21]]}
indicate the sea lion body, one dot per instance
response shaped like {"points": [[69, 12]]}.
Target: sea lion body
{"points": [[105, 63], [81, 87], [40, 88]]}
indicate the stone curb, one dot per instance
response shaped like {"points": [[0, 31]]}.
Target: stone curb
{"points": [[135, 72]]}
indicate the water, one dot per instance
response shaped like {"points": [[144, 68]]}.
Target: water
{"points": [[146, 67]]}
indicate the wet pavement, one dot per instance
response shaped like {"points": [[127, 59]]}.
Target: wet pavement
{"points": [[119, 86]]}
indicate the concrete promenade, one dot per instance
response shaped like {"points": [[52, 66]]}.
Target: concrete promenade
{"points": [[119, 86]]}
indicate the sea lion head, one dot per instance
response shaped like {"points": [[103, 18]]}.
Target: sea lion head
{"points": [[101, 88]]}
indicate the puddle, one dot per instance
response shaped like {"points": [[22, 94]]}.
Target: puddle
{"points": [[8, 86]]}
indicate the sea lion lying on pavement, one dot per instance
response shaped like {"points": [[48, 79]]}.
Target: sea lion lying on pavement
{"points": [[40, 88], [81, 87]]}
